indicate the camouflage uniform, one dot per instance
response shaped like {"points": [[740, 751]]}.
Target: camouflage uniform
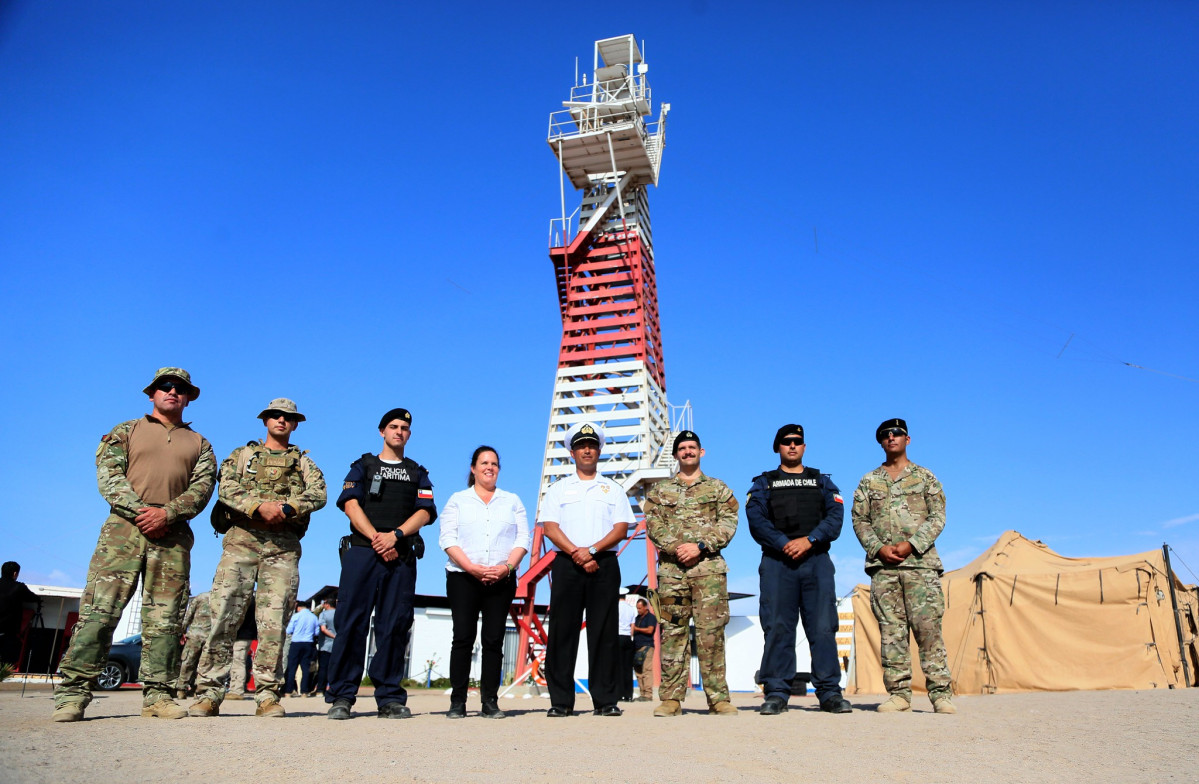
{"points": [[255, 551], [908, 595], [677, 513], [196, 626], [123, 554]]}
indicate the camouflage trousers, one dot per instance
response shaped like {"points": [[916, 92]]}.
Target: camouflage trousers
{"points": [[190, 658], [272, 560], [238, 673], [123, 555], [903, 600], [704, 599]]}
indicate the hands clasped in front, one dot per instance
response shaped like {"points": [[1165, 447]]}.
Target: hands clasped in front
{"points": [[583, 558]]}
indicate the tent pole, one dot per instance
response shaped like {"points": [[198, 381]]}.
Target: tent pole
{"points": [[1182, 651]]}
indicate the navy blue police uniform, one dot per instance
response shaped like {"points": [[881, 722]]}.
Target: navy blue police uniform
{"points": [[389, 493], [783, 506]]}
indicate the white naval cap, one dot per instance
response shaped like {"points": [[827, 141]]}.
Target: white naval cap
{"points": [[584, 431]]}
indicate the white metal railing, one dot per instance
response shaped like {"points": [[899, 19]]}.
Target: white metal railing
{"points": [[562, 230], [630, 87]]}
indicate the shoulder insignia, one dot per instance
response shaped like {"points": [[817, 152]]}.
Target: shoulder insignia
{"points": [[348, 486], [837, 497]]}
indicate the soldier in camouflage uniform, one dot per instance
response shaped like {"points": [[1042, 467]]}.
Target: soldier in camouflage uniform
{"points": [[690, 519], [898, 512], [267, 492], [197, 623], [156, 474]]}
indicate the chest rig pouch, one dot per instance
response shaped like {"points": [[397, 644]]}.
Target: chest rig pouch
{"points": [[271, 477]]}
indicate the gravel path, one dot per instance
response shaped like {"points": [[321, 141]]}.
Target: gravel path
{"points": [[1146, 736]]}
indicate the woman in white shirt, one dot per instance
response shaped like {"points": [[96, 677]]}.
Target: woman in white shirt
{"points": [[485, 532]]}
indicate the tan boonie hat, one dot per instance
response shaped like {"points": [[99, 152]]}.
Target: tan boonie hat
{"points": [[176, 373], [284, 405]]}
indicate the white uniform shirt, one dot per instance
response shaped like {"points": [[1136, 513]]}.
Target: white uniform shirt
{"points": [[585, 510], [625, 618], [487, 533]]}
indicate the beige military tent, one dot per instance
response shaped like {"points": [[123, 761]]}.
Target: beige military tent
{"points": [[1020, 617]]}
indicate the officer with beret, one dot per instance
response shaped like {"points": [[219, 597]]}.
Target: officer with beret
{"points": [[388, 498], [156, 473], [898, 512], [586, 516], [267, 493], [795, 513]]}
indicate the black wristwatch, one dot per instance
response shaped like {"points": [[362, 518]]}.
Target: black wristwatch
{"points": [[703, 548]]}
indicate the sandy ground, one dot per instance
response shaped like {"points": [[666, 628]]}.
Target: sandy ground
{"points": [[1145, 736]]}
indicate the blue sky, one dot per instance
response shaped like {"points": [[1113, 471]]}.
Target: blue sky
{"points": [[866, 210]]}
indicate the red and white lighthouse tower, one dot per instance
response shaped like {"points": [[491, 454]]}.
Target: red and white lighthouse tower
{"points": [[610, 363]]}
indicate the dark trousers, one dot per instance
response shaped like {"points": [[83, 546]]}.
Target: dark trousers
{"points": [[322, 669], [369, 585], [573, 592], [468, 598], [792, 591], [299, 653], [626, 666]]}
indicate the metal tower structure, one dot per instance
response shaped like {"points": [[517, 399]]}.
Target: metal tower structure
{"points": [[610, 363]]}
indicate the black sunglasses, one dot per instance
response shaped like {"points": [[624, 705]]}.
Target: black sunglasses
{"points": [[893, 431], [173, 386], [791, 442], [284, 414]]}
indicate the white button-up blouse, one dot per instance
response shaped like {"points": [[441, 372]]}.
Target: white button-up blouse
{"points": [[486, 532]]}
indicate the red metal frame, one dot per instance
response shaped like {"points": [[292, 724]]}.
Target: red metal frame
{"points": [[608, 296]]}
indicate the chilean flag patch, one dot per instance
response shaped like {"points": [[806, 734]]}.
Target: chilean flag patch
{"points": [[424, 494], [838, 499]]}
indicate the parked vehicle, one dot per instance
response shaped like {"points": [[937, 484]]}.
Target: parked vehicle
{"points": [[124, 663]]}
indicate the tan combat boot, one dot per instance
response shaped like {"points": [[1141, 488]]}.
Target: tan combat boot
{"points": [[204, 707], [944, 705], [166, 708], [669, 708], [71, 711], [723, 708], [270, 709], [896, 703]]}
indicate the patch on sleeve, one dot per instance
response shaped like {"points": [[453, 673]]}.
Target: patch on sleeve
{"points": [[425, 494], [348, 486], [837, 497]]}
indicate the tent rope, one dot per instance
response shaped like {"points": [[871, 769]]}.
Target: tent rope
{"points": [[1184, 563]]}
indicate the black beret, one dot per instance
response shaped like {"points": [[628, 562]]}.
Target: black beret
{"points": [[395, 413], [898, 424], [787, 430], [686, 435]]}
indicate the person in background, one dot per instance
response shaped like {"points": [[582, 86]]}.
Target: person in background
{"points": [[14, 595], [643, 654], [303, 629], [625, 614], [324, 646]]}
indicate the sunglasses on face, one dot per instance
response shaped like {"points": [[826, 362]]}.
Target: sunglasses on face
{"points": [[172, 386], [894, 431], [284, 414], [791, 442]]}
